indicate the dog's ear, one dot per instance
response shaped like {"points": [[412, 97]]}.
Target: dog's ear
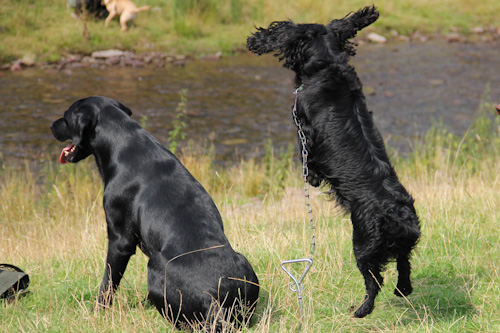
{"points": [[270, 39], [80, 117], [296, 44], [102, 102], [82, 122], [123, 108], [349, 26]]}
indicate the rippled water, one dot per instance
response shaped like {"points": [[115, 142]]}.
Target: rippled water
{"points": [[240, 102]]}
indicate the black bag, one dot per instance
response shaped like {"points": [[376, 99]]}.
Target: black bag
{"points": [[13, 282]]}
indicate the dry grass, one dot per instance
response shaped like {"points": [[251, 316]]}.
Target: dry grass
{"points": [[52, 225]]}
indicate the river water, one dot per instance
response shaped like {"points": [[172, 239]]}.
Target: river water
{"points": [[240, 102]]}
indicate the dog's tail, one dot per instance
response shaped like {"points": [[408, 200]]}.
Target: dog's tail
{"points": [[141, 9]]}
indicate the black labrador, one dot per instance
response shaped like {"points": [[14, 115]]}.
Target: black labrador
{"points": [[151, 201]]}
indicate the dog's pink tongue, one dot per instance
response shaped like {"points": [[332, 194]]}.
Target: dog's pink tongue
{"points": [[62, 158]]}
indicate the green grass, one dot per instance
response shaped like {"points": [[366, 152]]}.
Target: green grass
{"points": [[52, 225], [44, 29]]}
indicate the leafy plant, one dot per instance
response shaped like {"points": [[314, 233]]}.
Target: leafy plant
{"points": [[177, 133], [143, 121]]}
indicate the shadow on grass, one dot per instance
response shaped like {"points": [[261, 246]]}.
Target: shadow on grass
{"points": [[440, 296]]}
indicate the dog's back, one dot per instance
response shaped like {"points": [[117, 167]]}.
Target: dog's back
{"points": [[192, 269], [128, 6]]}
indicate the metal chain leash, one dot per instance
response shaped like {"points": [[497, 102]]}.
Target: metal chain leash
{"points": [[305, 169], [296, 285]]}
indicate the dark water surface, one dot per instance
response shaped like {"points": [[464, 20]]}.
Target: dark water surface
{"points": [[240, 102]]}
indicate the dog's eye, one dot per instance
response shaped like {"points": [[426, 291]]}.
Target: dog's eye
{"points": [[390, 211]]}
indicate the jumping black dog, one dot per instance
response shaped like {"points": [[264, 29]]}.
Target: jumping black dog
{"points": [[346, 151], [152, 201]]}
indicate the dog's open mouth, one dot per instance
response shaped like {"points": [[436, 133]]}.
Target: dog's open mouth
{"points": [[67, 153]]}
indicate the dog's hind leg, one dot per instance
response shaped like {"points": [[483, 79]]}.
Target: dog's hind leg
{"points": [[158, 289], [167, 291], [373, 283], [403, 288], [125, 18]]}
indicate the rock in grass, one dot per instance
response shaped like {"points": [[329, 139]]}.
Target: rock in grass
{"points": [[28, 60], [107, 54], [478, 30]]}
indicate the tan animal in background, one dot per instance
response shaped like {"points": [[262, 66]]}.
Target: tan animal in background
{"points": [[126, 9]]}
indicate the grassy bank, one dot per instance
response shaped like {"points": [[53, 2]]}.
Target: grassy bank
{"points": [[44, 30], [52, 225]]}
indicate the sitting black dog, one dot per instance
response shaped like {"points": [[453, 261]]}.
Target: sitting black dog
{"points": [[152, 201], [345, 149]]}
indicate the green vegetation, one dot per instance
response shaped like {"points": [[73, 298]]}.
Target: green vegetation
{"points": [[45, 30], [177, 133], [52, 225]]}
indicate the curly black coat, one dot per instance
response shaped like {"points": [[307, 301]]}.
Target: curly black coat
{"points": [[346, 151]]}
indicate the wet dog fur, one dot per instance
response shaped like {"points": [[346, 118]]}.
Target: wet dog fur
{"points": [[152, 202], [346, 151]]}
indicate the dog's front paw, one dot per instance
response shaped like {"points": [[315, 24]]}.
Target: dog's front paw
{"points": [[313, 179], [104, 301], [365, 309], [96, 307], [403, 290], [147, 303]]}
